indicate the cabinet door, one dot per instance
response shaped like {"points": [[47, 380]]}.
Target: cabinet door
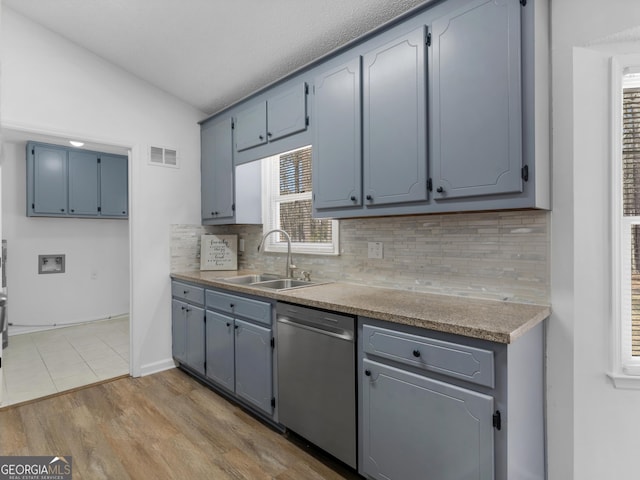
{"points": [[179, 330], [394, 121], [83, 183], [416, 427], [219, 349], [287, 113], [476, 106], [195, 337], [217, 170], [254, 365], [251, 127], [49, 180], [337, 151], [114, 185]]}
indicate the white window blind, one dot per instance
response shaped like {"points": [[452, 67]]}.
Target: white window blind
{"points": [[287, 205]]}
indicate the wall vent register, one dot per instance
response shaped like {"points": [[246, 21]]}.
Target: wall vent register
{"points": [[161, 156]]}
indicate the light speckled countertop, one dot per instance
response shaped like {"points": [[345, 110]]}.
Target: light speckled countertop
{"points": [[501, 322]]}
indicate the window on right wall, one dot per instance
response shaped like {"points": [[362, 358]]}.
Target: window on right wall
{"points": [[626, 222]]}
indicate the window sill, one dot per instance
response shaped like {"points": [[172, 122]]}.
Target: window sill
{"points": [[624, 382]]}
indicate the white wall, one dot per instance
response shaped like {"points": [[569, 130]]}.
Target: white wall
{"points": [[95, 284], [51, 86], [592, 427]]}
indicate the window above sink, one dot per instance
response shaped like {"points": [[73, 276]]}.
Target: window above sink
{"points": [[287, 204]]}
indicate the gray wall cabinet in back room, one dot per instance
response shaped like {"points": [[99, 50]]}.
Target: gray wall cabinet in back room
{"points": [[66, 182]]}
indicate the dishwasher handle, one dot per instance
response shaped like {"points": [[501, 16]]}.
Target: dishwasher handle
{"points": [[341, 334]]}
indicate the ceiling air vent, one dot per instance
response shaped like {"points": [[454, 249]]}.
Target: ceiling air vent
{"points": [[165, 157]]}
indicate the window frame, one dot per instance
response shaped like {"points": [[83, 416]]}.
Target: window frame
{"points": [[270, 217], [625, 369]]}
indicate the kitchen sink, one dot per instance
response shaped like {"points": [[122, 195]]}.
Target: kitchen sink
{"points": [[269, 281], [284, 283], [249, 279]]}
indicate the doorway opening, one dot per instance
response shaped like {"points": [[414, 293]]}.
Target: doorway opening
{"points": [[69, 329]]}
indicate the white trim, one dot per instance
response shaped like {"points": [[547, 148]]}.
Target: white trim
{"points": [[625, 369], [156, 367], [269, 178]]}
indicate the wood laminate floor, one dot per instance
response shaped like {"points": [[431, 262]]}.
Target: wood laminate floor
{"points": [[162, 426]]}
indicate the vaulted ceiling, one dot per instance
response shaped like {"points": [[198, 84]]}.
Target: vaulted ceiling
{"points": [[210, 53]]}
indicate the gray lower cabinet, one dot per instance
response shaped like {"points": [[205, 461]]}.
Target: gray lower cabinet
{"points": [[253, 353], [239, 358], [476, 101], [239, 348], [417, 427], [188, 325], [220, 349], [441, 406], [188, 335]]}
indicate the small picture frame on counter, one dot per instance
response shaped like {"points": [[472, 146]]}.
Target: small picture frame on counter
{"points": [[219, 252]]}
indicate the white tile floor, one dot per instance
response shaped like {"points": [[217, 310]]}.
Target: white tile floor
{"points": [[43, 363]]}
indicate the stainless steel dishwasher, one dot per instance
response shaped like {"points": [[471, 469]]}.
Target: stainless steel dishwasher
{"points": [[316, 378]]}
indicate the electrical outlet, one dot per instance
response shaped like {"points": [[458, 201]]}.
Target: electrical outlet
{"points": [[375, 250]]}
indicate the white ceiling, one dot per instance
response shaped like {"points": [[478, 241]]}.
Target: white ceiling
{"points": [[210, 53]]}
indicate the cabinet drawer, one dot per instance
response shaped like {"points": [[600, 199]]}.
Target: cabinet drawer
{"points": [[472, 364], [187, 292], [240, 306]]}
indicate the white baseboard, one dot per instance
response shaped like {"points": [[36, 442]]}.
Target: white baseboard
{"points": [[155, 367]]}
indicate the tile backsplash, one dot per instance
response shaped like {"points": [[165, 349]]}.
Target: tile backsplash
{"points": [[496, 255]]}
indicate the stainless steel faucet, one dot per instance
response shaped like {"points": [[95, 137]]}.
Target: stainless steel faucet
{"points": [[290, 266]]}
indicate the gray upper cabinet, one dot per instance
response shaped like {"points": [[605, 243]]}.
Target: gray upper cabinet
{"points": [[217, 171], [287, 112], [476, 106], [443, 110], [84, 197], [67, 182], [47, 175], [337, 142], [281, 115], [252, 127], [114, 195], [395, 121]]}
